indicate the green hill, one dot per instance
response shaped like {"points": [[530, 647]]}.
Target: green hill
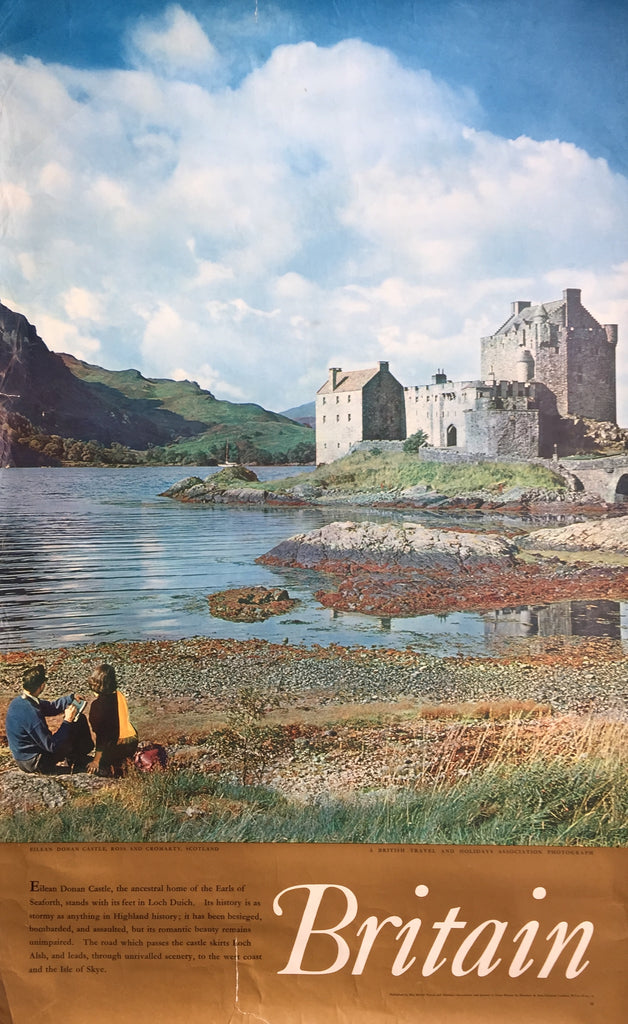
{"points": [[253, 434]]}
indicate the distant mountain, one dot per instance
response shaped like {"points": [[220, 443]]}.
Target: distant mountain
{"points": [[305, 414], [63, 397]]}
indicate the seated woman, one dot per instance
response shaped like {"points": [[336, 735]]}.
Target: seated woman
{"points": [[116, 739]]}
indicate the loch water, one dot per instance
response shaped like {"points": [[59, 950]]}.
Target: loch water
{"points": [[91, 555]]}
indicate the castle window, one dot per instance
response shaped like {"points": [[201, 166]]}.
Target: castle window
{"points": [[324, 399], [338, 445], [348, 398], [337, 399], [337, 419], [324, 418], [349, 417]]}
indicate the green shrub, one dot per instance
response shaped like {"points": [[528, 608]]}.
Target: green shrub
{"points": [[415, 441]]}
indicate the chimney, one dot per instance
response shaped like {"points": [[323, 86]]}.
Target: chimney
{"points": [[333, 375], [440, 377], [571, 297], [383, 366], [519, 305]]}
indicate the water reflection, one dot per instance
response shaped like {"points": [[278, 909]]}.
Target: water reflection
{"points": [[564, 619]]}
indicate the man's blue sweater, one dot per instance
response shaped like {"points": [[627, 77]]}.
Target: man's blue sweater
{"points": [[27, 732]]}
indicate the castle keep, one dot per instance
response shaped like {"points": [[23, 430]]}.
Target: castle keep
{"points": [[546, 362], [560, 346]]}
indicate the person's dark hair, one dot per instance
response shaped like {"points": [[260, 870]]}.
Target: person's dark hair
{"points": [[103, 679], [33, 678]]}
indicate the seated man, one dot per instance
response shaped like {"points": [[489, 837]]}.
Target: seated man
{"points": [[34, 747]]}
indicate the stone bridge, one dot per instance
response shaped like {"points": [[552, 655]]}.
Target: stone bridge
{"points": [[605, 478]]}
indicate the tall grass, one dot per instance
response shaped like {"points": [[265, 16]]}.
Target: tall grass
{"points": [[535, 804], [520, 782], [364, 471]]}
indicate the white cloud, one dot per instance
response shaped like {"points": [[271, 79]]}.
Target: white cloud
{"points": [[209, 273], [80, 305], [61, 336], [55, 179], [174, 43], [334, 208]]}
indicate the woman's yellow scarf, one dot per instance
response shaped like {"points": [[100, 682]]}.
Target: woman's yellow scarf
{"points": [[127, 732]]}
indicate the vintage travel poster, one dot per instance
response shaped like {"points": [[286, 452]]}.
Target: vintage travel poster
{"points": [[313, 511]]}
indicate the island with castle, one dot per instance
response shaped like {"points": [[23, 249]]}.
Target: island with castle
{"points": [[547, 369]]}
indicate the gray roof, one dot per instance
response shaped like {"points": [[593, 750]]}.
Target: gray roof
{"points": [[548, 312], [348, 380]]}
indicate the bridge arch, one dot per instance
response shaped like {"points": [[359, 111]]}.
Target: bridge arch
{"points": [[621, 488]]}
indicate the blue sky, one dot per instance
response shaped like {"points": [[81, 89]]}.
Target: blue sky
{"points": [[245, 193]]}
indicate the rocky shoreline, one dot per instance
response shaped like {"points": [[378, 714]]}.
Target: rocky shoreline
{"points": [[181, 692], [610, 535], [179, 686], [513, 501]]}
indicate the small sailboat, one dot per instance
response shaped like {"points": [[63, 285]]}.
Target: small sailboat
{"points": [[226, 464]]}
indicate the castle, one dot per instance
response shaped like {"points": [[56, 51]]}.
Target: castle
{"points": [[545, 363]]}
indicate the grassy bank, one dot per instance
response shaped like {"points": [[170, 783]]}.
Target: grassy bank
{"points": [[525, 780], [561, 805], [365, 471]]}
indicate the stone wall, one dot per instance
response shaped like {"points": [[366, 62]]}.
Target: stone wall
{"points": [[378, 444], [439, 411], [486, 419], [383, 408], [338, 424], [503, 433]]}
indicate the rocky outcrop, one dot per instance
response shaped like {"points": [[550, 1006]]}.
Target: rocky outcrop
{"points": [[513, 500], [577, 434], [223, 487], [250, 604], [603, 535], [407, 569], [407, 545]]}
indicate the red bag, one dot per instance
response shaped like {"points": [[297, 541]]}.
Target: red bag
{"points": [[150, 757]]}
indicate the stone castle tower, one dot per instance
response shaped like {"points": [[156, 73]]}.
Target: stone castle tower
{"points": [[564, 350]]}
